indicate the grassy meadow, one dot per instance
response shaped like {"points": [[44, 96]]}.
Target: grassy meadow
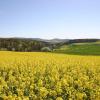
{"points": [[48, 76], [92, 48]]}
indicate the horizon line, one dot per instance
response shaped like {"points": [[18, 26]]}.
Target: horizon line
{"points": [[47, 38]]}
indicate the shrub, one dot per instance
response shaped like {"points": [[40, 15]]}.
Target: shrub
{"points": [[46, 49]]}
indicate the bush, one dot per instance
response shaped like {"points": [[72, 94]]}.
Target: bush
{"points": [[46, 49]]}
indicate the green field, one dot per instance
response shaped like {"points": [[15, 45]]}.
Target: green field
{"points": [[80, 49]]}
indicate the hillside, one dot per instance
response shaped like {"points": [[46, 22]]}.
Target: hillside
{"points": [[22, 44], [80, 48], [36, 44]]}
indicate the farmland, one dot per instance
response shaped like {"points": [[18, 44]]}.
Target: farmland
{"points": [[87, 48], [48, 76]]}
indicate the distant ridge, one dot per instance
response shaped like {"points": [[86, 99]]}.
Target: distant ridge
{"points": [[55, 40], [36, 44]]}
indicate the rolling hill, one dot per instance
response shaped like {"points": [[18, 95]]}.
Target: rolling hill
{"points": [[68, 46], [80, 48]]}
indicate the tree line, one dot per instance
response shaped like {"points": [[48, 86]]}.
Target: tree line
{"points": [[22, 44]]}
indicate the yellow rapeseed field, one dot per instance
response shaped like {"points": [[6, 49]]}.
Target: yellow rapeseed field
{"points": [[48, 76]]}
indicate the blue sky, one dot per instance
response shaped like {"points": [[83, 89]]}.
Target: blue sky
{"points": [[50, 18]]}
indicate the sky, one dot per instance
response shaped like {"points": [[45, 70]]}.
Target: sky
{"points": [[49, 19]]}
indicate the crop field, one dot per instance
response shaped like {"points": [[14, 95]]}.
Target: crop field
{"points": [[48, 76]]}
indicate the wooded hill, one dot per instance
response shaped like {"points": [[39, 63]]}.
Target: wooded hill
{"points": [[36, 44]]}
